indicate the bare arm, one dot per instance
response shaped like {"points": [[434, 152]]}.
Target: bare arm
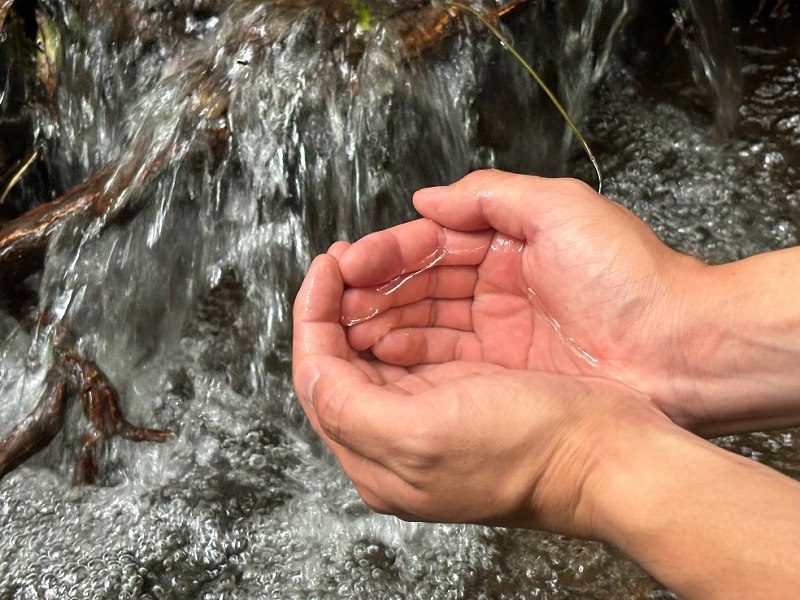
{"points": [[705, 522], [742, 339]]}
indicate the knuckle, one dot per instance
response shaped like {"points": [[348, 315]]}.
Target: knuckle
{"points": [[576, 186], [433, 313], [483, 173], [480, 179], [432, 282]]}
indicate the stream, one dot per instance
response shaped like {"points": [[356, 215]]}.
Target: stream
{"points": [[287, 125]]}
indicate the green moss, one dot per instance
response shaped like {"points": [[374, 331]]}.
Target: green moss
{"points": [[363, 13]]}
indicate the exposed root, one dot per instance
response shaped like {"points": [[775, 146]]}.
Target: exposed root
{"points": [[24, 240], [38, 429], [73, 375]]}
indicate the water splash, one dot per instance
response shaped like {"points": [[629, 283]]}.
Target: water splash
{"points": [[707, 33]]}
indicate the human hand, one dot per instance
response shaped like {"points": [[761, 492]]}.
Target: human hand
{"points": [[446, 399], [460, 441], [527, 273]]}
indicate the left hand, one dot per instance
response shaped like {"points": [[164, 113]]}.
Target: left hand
{"points": [[461, 441], [535, 274]]}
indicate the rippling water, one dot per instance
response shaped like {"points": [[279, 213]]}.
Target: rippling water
{"points": [[288, 127]]}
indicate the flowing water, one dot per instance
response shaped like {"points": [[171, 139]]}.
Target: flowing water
{"points": [[286, 126]]}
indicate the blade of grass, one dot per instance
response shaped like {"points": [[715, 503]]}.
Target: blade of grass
{"points": [[17, 176], [545, 88]]}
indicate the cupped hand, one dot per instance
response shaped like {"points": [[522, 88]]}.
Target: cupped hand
{"points": [[461, 441], [524, 273]]}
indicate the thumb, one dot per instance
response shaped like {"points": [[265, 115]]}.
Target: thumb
{"points": [[306, 375], [353, 412], [516, 205]]}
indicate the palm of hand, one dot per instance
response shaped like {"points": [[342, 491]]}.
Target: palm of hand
{"points": [[423, 441], [514, 308]]}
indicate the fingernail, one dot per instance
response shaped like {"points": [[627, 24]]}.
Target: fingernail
{"points": [[307, 379]]}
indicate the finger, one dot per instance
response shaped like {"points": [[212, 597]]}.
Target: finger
{"points": [[410, 247], [316, 328], [517, 205], [378, 372], [316, 312], [409, 347], [453, 314], [440, 374], [361, 304], [422, 378], [337, 249], [387, 373], [317, 331], [386, 427]]}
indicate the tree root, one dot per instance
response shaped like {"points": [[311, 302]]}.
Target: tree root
{"points": [[23, 245], [72, 375]]}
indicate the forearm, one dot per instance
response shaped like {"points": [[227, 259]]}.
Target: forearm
{"points": [[706, 523], [742, 342]]}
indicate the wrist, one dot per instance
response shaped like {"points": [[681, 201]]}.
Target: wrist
{"points": [[614, 420], [678, 346], [617, 471], [739, 331], [689, 513]]}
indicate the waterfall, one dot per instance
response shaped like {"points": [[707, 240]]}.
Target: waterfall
{"points": [[244, 138]]}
